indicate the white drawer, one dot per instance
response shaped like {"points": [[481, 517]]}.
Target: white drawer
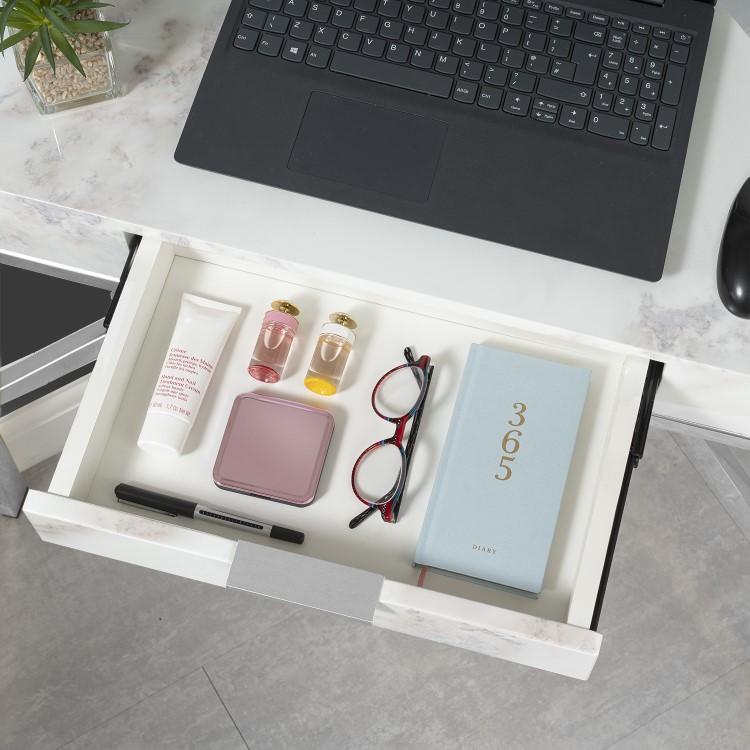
{"points": [[366, 572]]}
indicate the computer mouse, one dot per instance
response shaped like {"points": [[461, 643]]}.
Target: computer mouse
{"points": [[733, 270]]}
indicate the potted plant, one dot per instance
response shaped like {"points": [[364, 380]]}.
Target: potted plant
{"points": [[62, 50]]}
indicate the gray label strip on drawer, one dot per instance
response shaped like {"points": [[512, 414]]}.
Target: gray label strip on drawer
{"points": [[304, 580]]}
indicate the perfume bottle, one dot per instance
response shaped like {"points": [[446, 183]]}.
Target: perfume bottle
{"points": [[274, 341], [331, 353]]}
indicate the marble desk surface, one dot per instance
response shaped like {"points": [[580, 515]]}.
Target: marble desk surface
{"points": [[71, 183]]}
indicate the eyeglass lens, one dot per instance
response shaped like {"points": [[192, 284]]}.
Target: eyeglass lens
{"points": [[378, 473], [398, 393]]}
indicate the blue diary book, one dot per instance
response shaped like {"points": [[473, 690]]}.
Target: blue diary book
{"points": [[502, 473]]}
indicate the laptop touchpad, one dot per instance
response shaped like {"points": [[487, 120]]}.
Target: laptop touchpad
{"points": [[368, 146]]}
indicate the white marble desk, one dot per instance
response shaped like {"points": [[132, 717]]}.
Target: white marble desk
{"points": [[71, 183]]}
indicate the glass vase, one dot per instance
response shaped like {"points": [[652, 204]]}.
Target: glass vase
{"points": [[65, 88]]}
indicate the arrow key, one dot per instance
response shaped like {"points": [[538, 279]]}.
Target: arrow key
{"points": [[573, 118], [542, 116], [663, 128], [517, 104]]}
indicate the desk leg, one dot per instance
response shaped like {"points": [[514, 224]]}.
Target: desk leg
{"points": [[12, 485]]}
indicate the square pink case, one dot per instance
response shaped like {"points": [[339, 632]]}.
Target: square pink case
{"points": [[273, 448]]}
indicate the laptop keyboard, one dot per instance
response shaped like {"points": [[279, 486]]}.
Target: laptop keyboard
{"points": [[559, 65]]}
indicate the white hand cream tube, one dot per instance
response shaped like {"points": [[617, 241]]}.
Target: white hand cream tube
{"points": [[203, 327]]}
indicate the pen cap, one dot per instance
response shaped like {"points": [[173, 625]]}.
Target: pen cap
{"points": [[163, 435]]}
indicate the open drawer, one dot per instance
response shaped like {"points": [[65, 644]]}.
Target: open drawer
{"points": [[365, 573]]}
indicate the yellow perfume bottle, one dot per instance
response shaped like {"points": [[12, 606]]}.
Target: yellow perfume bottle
{"points": [[331, 353]]}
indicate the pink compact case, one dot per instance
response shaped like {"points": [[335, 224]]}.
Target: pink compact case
{"points": [[274, 449]]}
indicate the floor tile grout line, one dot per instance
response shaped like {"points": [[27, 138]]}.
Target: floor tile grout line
{"points": [[679, 703], [708, 486], [229, 713], [131, 706]]}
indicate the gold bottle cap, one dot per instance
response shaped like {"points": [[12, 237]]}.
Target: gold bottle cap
{"points": [[285, 306], [343, 320]]}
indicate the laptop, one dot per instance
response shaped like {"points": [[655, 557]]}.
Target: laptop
{"points": [[556, 127]]}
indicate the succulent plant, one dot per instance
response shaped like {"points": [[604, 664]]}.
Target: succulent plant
{"points": [[48, 24]]}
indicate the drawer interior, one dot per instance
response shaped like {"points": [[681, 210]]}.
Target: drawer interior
{"points": [[102, 450]]}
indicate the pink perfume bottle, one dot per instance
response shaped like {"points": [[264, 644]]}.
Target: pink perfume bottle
{"points": [[274, 341]]}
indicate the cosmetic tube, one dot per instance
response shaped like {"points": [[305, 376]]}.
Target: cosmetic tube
{"points": [[202, 328]]}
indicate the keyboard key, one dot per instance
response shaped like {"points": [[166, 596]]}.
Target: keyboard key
{"points": [[365, 6], [628, 85], [559, 48], [319, 13], [437, 19], [464, 46], [440, 41], [413, 13], [536, 21], [535, 42], [540, 116], [603, 101], [402, 76], [318, 57], [272, 5], [587, 63], [616, 40], [471, 70], [609, 126], [423, 58], [672, 85], [538, 64], [640, 133], [486, 31], [641, 28], [255, 19], [270, 45], [638, 44], [607, 80], [344, 3], [561, 27], [246, 39], [514, 58], [563, 70], [624, 106], [512, 16], [489, 98], [573, 118], [367, 24], [389, 8], [532, 4], [612, 60], [344, 18], [461, 25], [510, 36], [620, 23], [658, 49], [663, 128], [391, 29], [326, 35], [373, 47], [598, 18], [649, 90], [294, 51], [489, 53], [576, 13], [546, 105], [517, 104], [301, 30], [349, 41], [277, 24], [662, 33], [679, 54], [592, 34], [633, 64], [564, 92], [678, 37], [522, 82], [447, 64], [398, 52], [553, 9], [295, 8], [645, 111], [489, 11], [465, 7], [441, 4], [496, 76], [416, 35], [465, 91]]}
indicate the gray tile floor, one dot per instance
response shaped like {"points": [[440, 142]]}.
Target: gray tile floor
{"points": [[99, 655]]}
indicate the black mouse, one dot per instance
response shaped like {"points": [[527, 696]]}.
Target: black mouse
{"points": [[733, 270]]}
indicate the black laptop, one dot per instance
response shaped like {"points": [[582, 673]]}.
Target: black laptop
{"points": [[555, 127]]}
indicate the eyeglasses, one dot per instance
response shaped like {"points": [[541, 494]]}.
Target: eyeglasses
{"points": [[379, 474]]}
